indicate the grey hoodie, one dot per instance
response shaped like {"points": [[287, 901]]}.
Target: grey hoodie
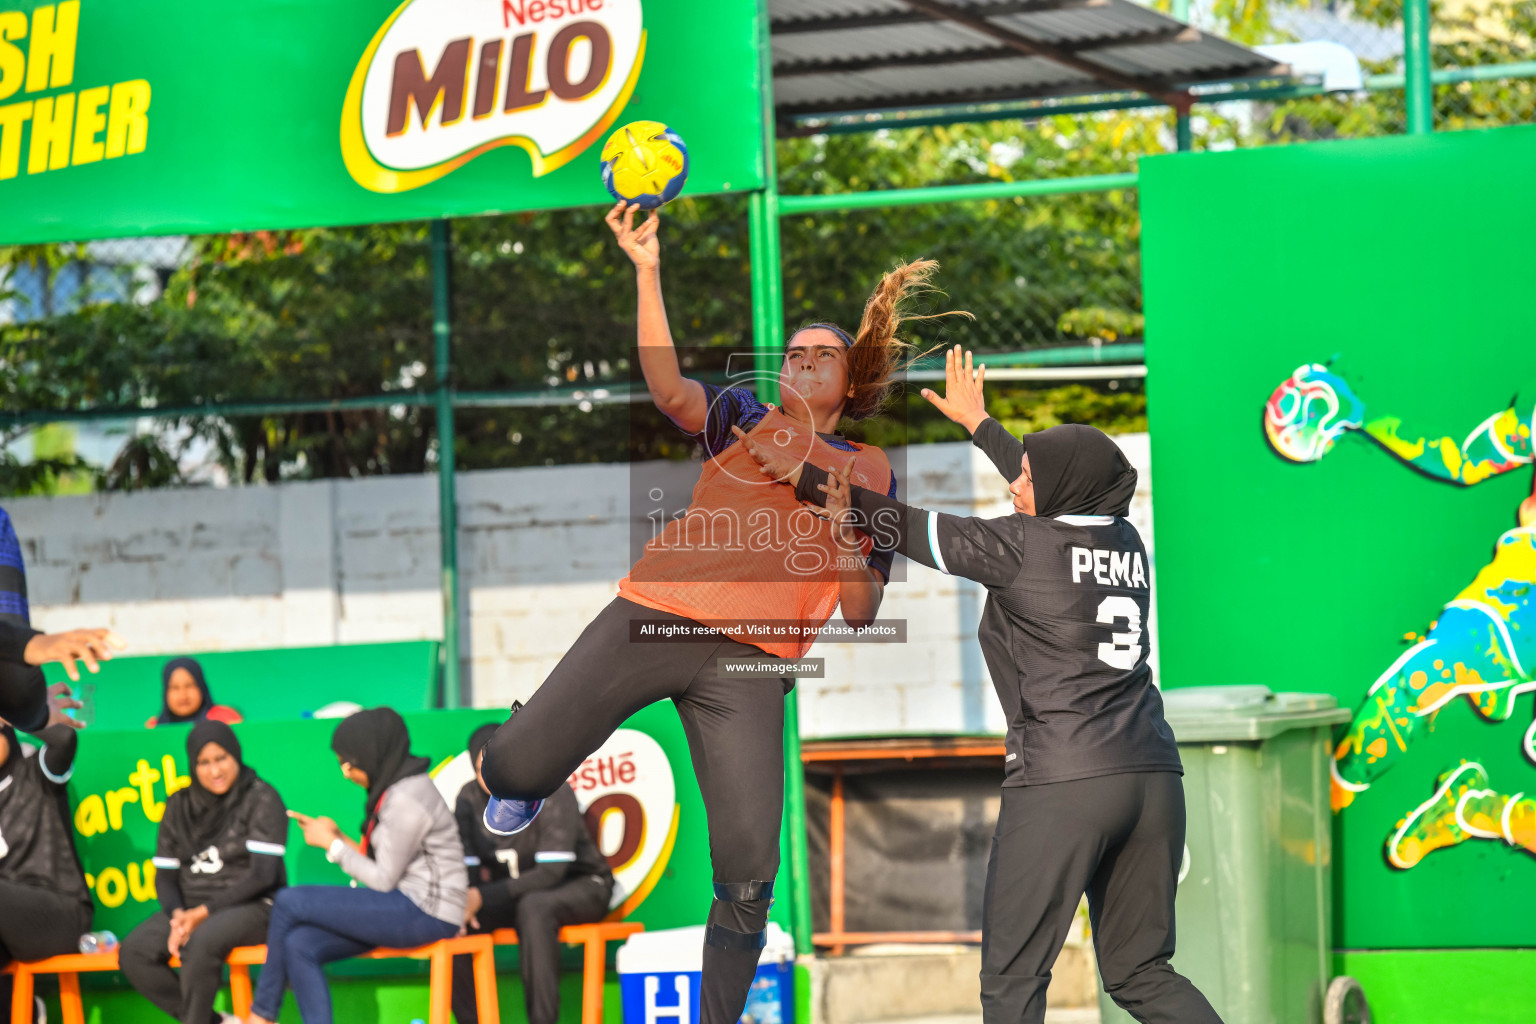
{"points": [[415, 847]]}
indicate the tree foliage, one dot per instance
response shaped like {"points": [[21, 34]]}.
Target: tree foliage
{"points": [[545, 300]]}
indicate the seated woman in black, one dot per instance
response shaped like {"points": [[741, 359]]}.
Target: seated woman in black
{"points": [[218, 861], [539, 880], [185, 697], [44, 904]]}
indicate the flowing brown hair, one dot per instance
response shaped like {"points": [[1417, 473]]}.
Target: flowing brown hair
{"points": [[877, 356]]}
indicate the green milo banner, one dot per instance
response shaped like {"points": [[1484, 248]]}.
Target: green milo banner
{"points": [[1343, 394], [166, 116], [638, 793]]}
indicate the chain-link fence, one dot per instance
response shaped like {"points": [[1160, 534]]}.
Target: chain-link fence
{"points": [[318, 345]]}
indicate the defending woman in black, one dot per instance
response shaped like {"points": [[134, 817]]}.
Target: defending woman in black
{"points": [[44, 904], [1092, 796], [218, 863], [538, 880]]}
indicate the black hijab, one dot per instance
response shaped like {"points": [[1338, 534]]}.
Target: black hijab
{"points": [[1078, 470], [202, 815], [166, 716], [376, 740]]}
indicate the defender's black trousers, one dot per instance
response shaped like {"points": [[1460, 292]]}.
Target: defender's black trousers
{"points": [[1120, 839]]}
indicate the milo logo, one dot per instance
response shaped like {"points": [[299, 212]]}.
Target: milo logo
{"points": [[443, 81], [627, 793]]}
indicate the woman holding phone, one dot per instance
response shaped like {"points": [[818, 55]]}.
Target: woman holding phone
{"points": [[408, 866]]}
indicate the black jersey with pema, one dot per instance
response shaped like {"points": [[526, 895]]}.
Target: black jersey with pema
{"points": [[1064, 630]]}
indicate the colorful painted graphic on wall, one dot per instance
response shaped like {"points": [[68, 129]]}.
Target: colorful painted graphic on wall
{"points": [[1481, 647]]}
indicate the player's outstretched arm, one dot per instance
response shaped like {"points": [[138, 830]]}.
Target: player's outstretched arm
{"points": [[681, 399], [984, 550]]}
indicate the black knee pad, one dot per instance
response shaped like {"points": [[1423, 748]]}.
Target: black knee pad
{"points": [[745, 906]]}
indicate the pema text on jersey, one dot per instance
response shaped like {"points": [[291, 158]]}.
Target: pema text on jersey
{"points": [[1110, 568]]}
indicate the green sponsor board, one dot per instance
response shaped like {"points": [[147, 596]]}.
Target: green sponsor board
{"points": [[638, 790], [272, 684], [166, 116], [1313, 527]]}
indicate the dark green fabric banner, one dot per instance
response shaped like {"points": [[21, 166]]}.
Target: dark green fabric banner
{"points": [[164, 116]]}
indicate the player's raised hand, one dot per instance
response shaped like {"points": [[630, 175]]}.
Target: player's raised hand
{"points": [[640, 244], [962, 401], [88, 646], [773, 462]]}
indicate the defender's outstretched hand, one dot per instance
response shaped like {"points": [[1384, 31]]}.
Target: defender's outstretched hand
{"points": [[962, 401], [641, 244], [839, 507], [773, 462]]}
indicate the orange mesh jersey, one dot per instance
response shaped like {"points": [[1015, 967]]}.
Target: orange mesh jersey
{"points": [[746, 551]]}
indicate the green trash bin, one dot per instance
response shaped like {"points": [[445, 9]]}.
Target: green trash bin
{"points": [[1255, 903]]}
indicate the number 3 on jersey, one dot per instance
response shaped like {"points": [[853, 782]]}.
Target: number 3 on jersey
{"points": [[1124, 650]]}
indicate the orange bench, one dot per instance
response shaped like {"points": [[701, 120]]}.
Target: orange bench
{"points": [[68, 967], [594, 939], [71, 965]]}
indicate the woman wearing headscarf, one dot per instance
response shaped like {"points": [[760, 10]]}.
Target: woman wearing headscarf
{"points": [[1093, 799], [184, 697], [409, 864], [44, 904], [218, 864]]}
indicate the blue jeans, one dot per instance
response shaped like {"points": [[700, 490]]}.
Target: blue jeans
{"points": [[317, 924]]}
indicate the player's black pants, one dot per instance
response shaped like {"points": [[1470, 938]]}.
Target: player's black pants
{"points": [[735, 729], [188, 996], [1120, 839], [36, 923], [538, 917]]}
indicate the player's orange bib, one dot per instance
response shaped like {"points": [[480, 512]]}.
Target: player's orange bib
{"points": [[746, 552]]}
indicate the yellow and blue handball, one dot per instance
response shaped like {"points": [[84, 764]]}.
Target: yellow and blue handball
{"points": [[645, 163]]}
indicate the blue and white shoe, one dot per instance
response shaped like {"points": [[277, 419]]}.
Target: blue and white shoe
{"points": [[509, 817]]}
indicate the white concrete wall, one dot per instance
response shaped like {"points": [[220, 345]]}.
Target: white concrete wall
{"points": [[540, 552]]}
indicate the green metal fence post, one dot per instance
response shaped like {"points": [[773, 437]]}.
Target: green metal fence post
{"points": [[767, 340], [1181, 130], [1416, 67], [447, 503]]}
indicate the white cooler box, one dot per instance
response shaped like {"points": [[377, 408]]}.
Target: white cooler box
{"points": [[659, 976]]}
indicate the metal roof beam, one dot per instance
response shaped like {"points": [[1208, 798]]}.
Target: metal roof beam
{"points": [[800, 69], [904, 60], [886, 19], [1179, 100], [1179, 34]]}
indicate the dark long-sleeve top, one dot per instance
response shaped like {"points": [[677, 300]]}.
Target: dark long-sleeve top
{"points": [[1063, 632], [37, 836], [557, 846], [23, 690], [242, 864]]}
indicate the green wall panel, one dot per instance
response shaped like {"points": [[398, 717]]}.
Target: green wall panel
{"points": [[1444, 986], [273, 684], [1407, 265]]}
